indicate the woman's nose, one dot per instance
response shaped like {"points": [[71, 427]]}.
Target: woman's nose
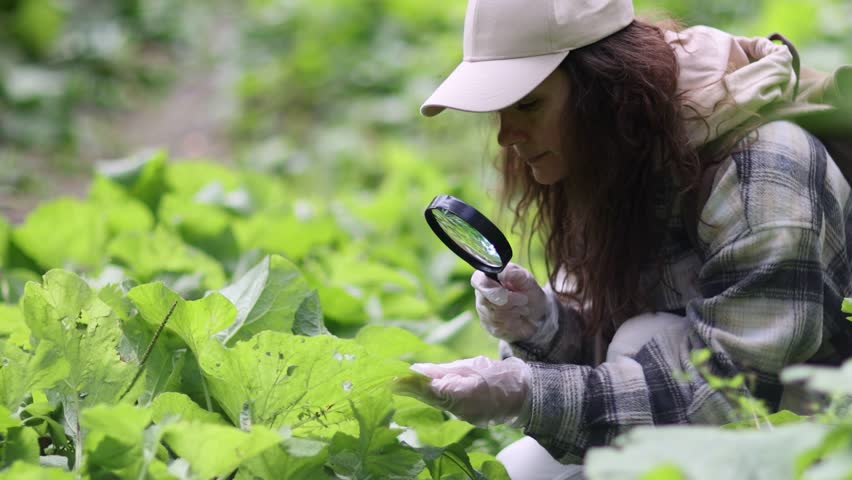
{"points": [[511, 131]]}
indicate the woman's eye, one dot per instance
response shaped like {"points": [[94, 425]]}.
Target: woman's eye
{"points": [[527, 105]]}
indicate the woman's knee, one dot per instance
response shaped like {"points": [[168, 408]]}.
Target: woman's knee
{"points": [[634, 333]]}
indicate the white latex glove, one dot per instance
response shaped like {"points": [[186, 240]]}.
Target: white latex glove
{"points": [[517, 310], [479, 390]]}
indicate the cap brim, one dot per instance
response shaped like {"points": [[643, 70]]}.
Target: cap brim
{"points": [[487, 86]]}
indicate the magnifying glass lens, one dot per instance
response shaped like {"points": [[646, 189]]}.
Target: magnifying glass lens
{"points": [[468, 238]]}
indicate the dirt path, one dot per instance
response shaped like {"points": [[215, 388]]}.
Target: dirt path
{"points": [[191, 121]]}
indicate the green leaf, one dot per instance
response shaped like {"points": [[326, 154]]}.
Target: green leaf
{"points": [[664, 472], [168, 356], [206, 227], [37, 25], [6, 420], [492, 469], [195, 322], [778, 418], [115, 441], [393, 342], [121, 421], [831, 453], [430, 426], [21, 444], [305, 382], [27, 471], [450, 462], [124, 213], [22, 372], [187, 178], [342, 306], [277, 462], [216, 450], [62, 232], [272, 296], [179, 405], [847, 305], [13, 328], [161, 251], [286, 234], [706, 452], [142, 175], [85, 332], [376, 453]]}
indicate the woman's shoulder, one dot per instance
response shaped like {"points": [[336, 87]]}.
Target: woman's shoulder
{"points": [[774, 178]]}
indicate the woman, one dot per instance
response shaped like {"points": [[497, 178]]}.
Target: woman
{"points": [[605, 124]]}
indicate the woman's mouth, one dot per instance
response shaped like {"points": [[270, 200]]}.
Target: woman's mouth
{"points": [[535, 159]]}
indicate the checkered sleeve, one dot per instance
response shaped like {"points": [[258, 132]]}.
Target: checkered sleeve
{"points": [[564, 343], [760, 309]]}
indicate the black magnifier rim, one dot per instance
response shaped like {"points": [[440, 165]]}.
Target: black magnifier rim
{"points": [[476, 220]]}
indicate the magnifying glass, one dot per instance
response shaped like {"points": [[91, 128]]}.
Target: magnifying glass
{"points": [[469, 234]]}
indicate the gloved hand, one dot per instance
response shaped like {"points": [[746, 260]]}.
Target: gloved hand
{"points": [[517, 310], [480, 390]]}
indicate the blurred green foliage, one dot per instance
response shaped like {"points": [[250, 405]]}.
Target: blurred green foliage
{"points": [[60, 58], [332, 164]]}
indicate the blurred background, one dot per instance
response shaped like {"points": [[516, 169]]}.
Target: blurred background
{"points": [[309, 89], [227, 130]]}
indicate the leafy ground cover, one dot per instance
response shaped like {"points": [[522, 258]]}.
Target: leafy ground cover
{"points": [[187, 320]]}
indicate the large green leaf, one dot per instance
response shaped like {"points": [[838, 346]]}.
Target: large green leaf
{"points": [[64, 232], [304, 382], [21, 372], [167, 357], [393, 342], [174, 404], [278, 462], [115, 442], [215, 450], [272, 296], [286, 234], [376, 452], [85, 332], [161, 251], [706, 452], [195, 322]]}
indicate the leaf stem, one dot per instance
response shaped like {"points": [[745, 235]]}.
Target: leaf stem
{"points": [[148, 351], [206, 391]]}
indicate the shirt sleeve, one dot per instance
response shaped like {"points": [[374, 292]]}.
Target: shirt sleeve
{"points": [[558, 340], [761, 309]]}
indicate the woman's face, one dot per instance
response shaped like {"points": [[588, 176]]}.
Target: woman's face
{"points": [[533, 128]]}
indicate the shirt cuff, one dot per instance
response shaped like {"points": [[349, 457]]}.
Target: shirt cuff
{"points": [[556, 409]]}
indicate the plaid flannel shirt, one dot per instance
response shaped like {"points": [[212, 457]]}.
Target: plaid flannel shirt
{"points": [[775, 239]]}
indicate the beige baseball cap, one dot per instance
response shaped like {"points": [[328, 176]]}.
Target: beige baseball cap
{"points": [[510, 46]]}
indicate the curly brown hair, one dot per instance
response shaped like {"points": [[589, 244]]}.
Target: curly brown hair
{"points": [[600, 224]]}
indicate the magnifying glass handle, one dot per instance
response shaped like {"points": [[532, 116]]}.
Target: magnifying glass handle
{"points": [[493, 276]]}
